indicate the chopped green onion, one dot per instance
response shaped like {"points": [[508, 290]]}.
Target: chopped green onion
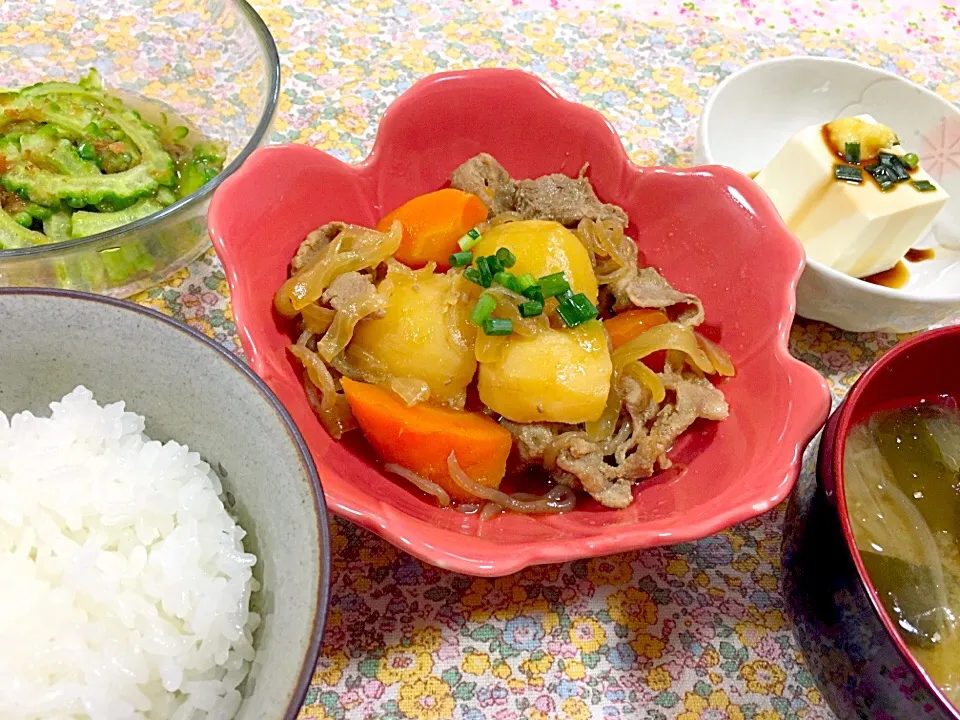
{"points": [[923, 185], [506, 258], [895, 167], [848, 173], [508, 280], [494, 264], [526, 281], [533, 293], [552, 285], [486, 277], [473, 275], [460, 259], [531, 308], [885, 183], [911, 160], [883, 175], [851, 152], [498, 326], [483, 309], [179, 132], [469, 240], [576, 310]]}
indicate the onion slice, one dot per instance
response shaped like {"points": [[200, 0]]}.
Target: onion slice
{"points": [[669, 336], [355, 248]]}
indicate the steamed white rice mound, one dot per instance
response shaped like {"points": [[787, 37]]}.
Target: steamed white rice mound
{"points": [[124, 586]]}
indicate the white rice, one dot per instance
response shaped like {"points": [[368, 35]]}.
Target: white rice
{"points": [[124, 586]]}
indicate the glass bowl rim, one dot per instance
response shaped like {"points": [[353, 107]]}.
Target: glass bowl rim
{"points": [[269, 48]]}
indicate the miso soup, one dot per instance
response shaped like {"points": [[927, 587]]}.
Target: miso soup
{"points": [[902, 478]]}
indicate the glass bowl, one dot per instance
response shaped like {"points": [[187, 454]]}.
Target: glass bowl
{"points": [[212, 62]]}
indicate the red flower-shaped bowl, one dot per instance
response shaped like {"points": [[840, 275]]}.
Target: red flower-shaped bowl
{"points": [[711, 231]]}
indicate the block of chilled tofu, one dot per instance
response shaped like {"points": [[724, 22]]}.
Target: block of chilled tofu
{"points": [[856, 228]]}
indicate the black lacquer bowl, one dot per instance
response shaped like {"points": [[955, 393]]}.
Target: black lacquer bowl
{"points": [[862, 666]]}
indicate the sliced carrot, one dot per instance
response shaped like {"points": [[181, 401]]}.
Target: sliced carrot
{"points": [[432, 224], [421, 438], [630, 323]]}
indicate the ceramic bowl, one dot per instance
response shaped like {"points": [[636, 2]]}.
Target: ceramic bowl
{"points": [[191, 390], [752, 113], [704, 228], [862, 665], [172, 54]]}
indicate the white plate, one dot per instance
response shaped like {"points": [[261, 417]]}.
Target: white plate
{"points": [[753, 112]]}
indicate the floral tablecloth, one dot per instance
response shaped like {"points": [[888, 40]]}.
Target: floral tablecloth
{"points": [[694, 632]]}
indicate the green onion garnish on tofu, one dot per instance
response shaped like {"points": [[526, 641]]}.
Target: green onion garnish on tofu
{"points": [[911, 160], [923, 185], [848, 173], [896, 168], [883, 175], [851, 152]]}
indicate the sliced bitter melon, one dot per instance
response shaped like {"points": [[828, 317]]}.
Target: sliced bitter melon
{"points": [[64, 158], [156, 168], [84, 224], [13, 235], [58, 153], [200, 167], [57, 226]]}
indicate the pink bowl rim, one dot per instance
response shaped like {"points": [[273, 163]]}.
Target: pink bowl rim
{"points": [[478, 556], [839, 433]]}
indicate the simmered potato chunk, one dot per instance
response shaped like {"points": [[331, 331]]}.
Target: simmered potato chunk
{"points": [[543, 247], [562, 375], [424, 333]]}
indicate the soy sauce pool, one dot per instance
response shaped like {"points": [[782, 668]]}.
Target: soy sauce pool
{"points": [[902, 480]]}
